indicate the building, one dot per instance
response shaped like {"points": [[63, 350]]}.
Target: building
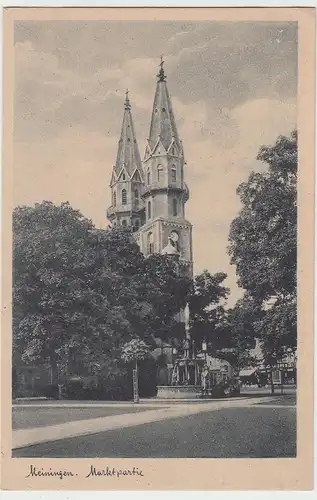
{"points": [[150, 196]]}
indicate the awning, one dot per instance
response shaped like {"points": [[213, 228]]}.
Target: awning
{"points": [[247, 373]]}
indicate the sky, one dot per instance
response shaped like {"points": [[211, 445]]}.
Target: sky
{"points": [[233, 87]]}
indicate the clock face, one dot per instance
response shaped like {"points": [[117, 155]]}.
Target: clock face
{"points": [[174, 236]]}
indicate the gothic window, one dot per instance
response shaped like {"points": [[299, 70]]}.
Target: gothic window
{"points": [[159, 173], [114, 198], [150, 243], [149, 210], [124, 223], [149, 177], [137, 224], [174, 206], [173, 174], [123, 176], [124, 196], [136, 197]]}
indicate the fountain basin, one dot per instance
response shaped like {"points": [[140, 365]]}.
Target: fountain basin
{"points": [[178, 391]]}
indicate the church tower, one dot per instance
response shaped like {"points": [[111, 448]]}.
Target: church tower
{"points": [[165, 192], [127, 207]]}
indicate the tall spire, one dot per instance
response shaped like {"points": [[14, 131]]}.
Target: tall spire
{"points": [[163, 124], [128, 155], [161, 75], [127, 104]]}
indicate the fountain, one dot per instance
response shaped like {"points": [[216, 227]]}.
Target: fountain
{"points": [[187, 369]]}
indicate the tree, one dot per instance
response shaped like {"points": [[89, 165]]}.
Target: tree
{"points": [[165, 284], [263, 244], [239, 329], [81, 292], [135, 351], [262, 239], [48, 243], [206, 302]]}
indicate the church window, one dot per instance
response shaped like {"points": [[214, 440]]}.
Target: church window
{"points": [[174, 206], [150, 243], [123, 176], [114, 198], [124, 196], [173, 174], [149, 177], [136, 197], [159, 173], [124, 223], [149, 210], [137, 224]]}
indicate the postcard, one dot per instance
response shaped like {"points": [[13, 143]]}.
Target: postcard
{"points": [[158, 258]]}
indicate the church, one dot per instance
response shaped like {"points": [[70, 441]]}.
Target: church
{"points": [[150, 195]]}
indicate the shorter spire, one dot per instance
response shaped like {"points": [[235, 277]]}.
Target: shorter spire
{"points": [[161, 75], [127, 104]]}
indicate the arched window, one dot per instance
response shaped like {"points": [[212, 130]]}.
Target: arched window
{"points": [[174, 206], [136, 197], [123, 176], [149, 177], [150, 243], [114, 198], [124, 196], [124, 223], [149, 210], [159, 173], [137, 224], [173, 171]]}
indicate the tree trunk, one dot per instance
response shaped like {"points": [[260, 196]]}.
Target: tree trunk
{"points": [[136, 384], [53, 370]]}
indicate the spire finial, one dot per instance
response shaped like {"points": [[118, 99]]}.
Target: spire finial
{"points": [[127, 104], [161, 76]]}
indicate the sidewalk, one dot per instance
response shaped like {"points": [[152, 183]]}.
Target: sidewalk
{"points": [[28, 437]]}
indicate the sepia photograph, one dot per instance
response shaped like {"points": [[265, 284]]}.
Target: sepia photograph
{"points": [[155, 240]]}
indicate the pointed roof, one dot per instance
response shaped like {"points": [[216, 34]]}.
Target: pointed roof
{"points": [[128, 155], [163, 124]]}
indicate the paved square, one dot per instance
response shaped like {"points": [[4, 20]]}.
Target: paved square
{"points": [[242, 427]]}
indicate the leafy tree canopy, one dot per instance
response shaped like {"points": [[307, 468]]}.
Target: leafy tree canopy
{"points": [[206, 301], [82, 291], [263, 245], [262, 240]]}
